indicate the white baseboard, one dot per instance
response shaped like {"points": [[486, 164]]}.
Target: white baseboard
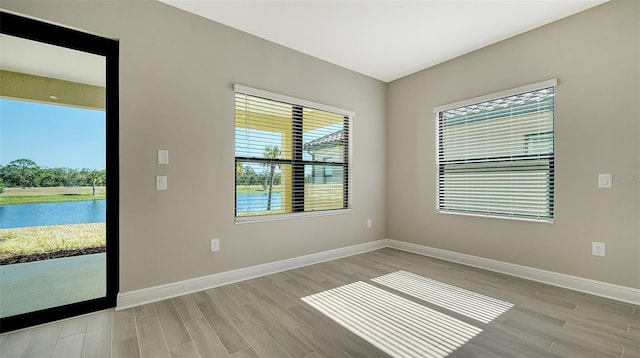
{"points": [[158, 293], [598, 288]]}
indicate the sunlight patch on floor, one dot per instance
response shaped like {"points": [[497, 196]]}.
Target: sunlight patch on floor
{"points": [[471, 304], [395, 325]]}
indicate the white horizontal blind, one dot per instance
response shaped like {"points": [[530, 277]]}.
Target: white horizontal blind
{"points": [[289, 157], [496, 157]]}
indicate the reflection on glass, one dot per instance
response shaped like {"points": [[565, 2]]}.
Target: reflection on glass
{"points": [[260, 188], [324, 189]]}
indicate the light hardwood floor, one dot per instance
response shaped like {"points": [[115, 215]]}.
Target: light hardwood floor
{"points": [[438, 314]]}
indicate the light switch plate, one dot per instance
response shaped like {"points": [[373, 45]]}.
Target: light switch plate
{"points": [[215, 245], [161, 182], [163, 156], [604, 180]]}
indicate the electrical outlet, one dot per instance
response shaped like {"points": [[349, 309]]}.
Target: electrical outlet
{"points": [[598, 248], [369, 223], [604, 180], [215, 245], [161, 182]]}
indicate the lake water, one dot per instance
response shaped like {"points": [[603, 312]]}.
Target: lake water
{"points": [[257, 202], [94, 211], [59, 213]]}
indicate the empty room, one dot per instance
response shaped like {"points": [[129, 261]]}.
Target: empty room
{"points": [[313, 179]]}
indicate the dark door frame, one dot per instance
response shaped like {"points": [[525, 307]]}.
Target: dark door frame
{"points": [[31, 29]]}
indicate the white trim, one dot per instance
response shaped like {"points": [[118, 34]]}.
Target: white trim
{"points": [[481, 215], [161, 292], [174, 289], [289, 216], [598, 288], [506, 93], [292, 100]]}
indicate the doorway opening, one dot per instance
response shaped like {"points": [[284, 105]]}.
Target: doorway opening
{"points": [[58, 172]]}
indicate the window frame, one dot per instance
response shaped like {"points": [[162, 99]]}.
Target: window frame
{"points": [[348, 177], [485, 98]]}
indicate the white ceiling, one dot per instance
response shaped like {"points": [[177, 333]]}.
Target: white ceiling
{"points": [[40, 59], [385, 39]]}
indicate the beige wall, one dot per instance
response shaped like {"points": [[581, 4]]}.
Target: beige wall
{"points": [[596, 57], [177, 73]]}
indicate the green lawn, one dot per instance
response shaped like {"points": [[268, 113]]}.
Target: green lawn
{"points": [[46, 195], [44, 239], [41, 239]]}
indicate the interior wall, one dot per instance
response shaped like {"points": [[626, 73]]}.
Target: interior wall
{"points": [[176, 92], [595, 55], [177, 72]]}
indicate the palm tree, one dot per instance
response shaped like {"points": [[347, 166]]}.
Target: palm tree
{"points": [[271, 153], [96, 177], [239, 172], [239, 169]]}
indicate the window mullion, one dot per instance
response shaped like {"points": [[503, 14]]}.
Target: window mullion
{"points": [[345, 163], [297, 172]]}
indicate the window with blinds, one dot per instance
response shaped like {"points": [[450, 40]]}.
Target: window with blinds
{"points": [[291, 155], [495, 154]]}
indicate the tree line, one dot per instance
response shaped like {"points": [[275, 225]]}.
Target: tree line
{"points": [[246, 175], [25, 173]]}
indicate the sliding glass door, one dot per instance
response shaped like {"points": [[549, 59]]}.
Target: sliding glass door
{"points": [[58, 172]]}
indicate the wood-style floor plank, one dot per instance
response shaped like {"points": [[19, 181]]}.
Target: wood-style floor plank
{"points": [[126, 348], [228, 334], [124, 341], [150, 336], [271, 289], [266, 317], [174, 331], [261, 342], [185, 350], [97, 339], [69, 347], [207, 342], [46, 337], [187, 308], [278, 312], [74, 326], [230, 307], [246, 353], [340, 336], [277, 330], [318, 343]]}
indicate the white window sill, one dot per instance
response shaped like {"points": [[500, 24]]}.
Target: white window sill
{"points": [[540, 220], [278, 217]]}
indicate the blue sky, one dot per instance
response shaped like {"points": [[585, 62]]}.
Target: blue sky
{"points": [[52, 136]]}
